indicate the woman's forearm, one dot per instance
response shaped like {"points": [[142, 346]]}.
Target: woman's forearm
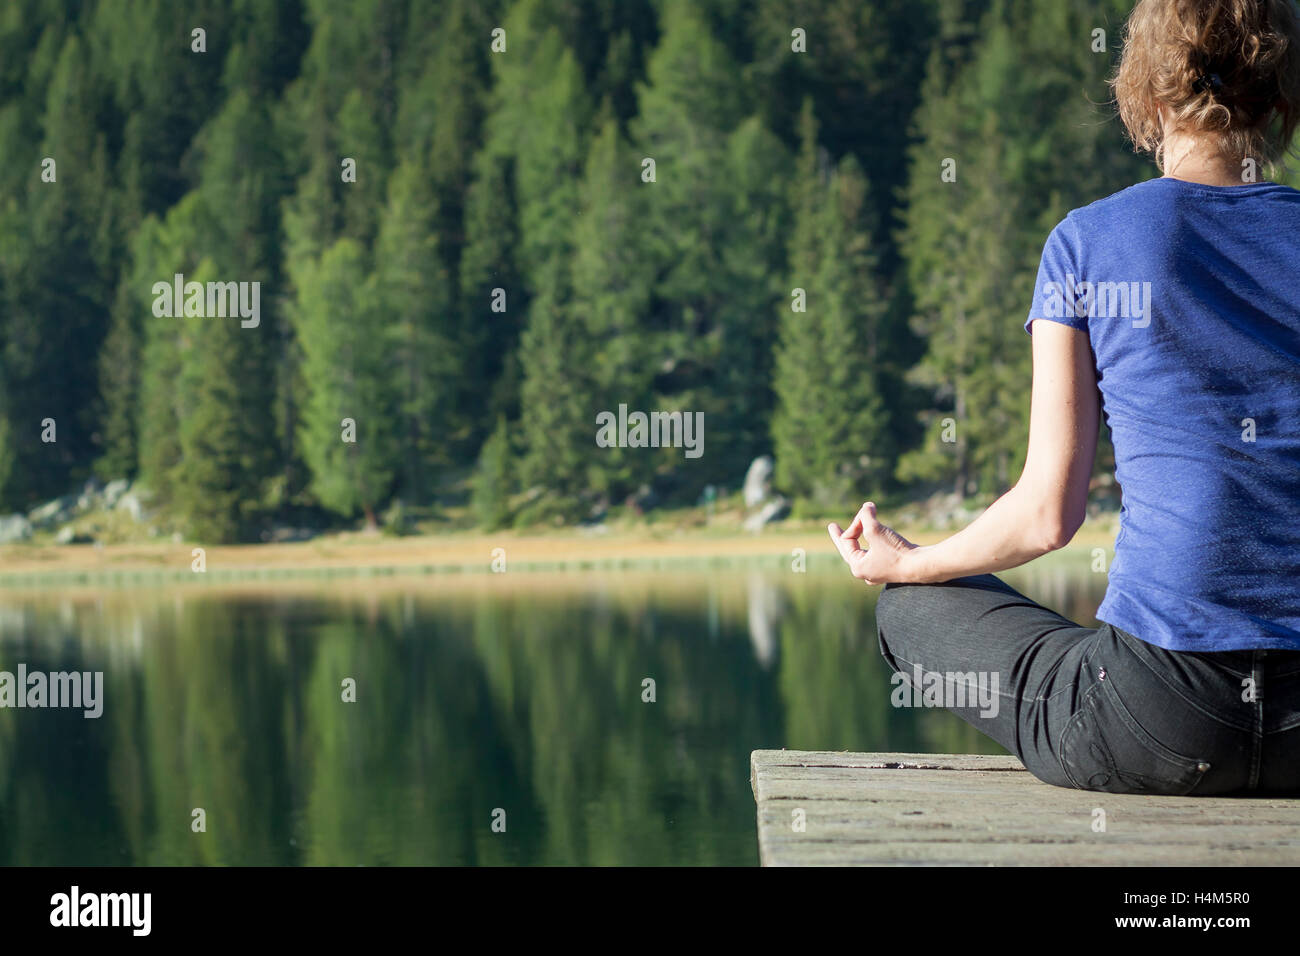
{"points": [[1012, 531]]}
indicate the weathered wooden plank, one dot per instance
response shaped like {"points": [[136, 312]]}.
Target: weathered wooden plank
{"points": [[932, 761], [969, 809], [814, 854]]}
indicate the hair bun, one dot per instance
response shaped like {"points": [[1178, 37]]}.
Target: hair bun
{"points": [[1177, 54], [1208, 82]]}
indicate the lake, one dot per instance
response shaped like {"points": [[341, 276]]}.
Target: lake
{"points": [[497, 719]]}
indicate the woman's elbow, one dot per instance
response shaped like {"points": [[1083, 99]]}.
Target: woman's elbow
{"points": [[1059, 526]]}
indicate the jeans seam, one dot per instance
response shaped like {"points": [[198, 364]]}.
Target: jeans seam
{"points": [[1065, 735], [1283, 728], [1001, 693], [1249, 725]]}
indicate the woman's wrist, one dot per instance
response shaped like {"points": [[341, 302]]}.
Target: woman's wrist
{"points": [[914, 566]]}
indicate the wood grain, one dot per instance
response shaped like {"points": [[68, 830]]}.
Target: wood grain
{"points": [[971, 810]]}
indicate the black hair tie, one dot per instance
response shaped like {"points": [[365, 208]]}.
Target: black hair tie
{"points": [[1208, 81]]}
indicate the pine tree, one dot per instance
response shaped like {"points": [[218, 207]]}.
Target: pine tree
{"points": [[612, 285], [228, 443], [448, 105], [829, 430], [119, 383], [757, 170], [349, 430], [800, 360], [56, 277], [863, 69], [419, 330], [217, 483], [713, 233], [162, 90], [558, 421], [160, 250], [492, 479], [540, 111], [492, 321]]}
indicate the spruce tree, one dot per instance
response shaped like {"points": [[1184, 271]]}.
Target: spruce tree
{"points": [[612, 285], [492, 479], [830, 431], [712, 231], [57, 273], [160, 250], [419, 327], [349, 429], [537, 123], [491, 321], [228, 431]]}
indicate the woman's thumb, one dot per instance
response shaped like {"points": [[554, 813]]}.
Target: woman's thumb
{"points": [[864, 522]]}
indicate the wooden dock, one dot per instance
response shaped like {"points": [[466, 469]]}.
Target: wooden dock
{"points": [[969, 810]]}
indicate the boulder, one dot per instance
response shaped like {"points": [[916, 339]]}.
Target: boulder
{"points": [[68, 535], [131, 504], [774, 510], [758, 481], [57, 511], [91, 496], [14, 527], [114, 490]]}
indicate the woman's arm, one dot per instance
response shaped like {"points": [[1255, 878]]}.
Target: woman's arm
{"points": [[1046, 506]]}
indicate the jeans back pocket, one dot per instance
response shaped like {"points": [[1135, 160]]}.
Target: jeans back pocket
{"points": [[1104, 748]]}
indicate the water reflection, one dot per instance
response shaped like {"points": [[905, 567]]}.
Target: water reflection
{"points": [[522, 692], [764, 616]]}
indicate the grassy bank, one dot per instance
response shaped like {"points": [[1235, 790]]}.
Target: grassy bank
{"points": [[359, 554]]}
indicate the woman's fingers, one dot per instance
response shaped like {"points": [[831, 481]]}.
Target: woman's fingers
{"points": [[872, 564], [864, 522], [845, 545]]}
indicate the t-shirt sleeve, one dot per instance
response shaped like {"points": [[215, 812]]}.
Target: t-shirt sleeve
{"points": [[1058, 278]]}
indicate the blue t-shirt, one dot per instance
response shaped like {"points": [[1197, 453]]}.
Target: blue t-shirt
{"points": [[1190, 295]]}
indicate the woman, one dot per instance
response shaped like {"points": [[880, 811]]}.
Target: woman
{"points": [[1172, 308]]}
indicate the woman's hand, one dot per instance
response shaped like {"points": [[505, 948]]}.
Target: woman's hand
{"points": [[883, 561]]}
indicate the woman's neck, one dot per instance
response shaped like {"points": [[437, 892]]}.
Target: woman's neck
{"points": [[1195, 160]]}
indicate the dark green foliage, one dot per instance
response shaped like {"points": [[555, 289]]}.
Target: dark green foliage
{"points": [[492, 479], [414, 293], [350, 419], [971, 246], [830, 428], [503, 269]]}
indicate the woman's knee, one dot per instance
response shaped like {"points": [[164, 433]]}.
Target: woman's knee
{"points": [[892, 619], [886, 602], [906, 608], [891, 601]]}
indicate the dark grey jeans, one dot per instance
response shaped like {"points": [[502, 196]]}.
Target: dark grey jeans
{"points": [[1097, 708]]}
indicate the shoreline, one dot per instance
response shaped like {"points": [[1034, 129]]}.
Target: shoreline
{"points": [[359, 555]]}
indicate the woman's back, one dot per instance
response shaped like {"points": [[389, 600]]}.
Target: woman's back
{"points": [[1171, 309], [1190, 295]]}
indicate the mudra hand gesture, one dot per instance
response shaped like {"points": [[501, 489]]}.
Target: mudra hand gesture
{"points": [[883, 561]]}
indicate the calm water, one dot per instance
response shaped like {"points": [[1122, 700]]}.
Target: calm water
{"points": [[476, 692]]}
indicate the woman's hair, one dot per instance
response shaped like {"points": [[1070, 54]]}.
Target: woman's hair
{"points": [[1228, 70]]}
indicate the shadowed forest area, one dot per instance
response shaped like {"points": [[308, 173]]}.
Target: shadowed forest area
{"points": [[477, 225]]}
